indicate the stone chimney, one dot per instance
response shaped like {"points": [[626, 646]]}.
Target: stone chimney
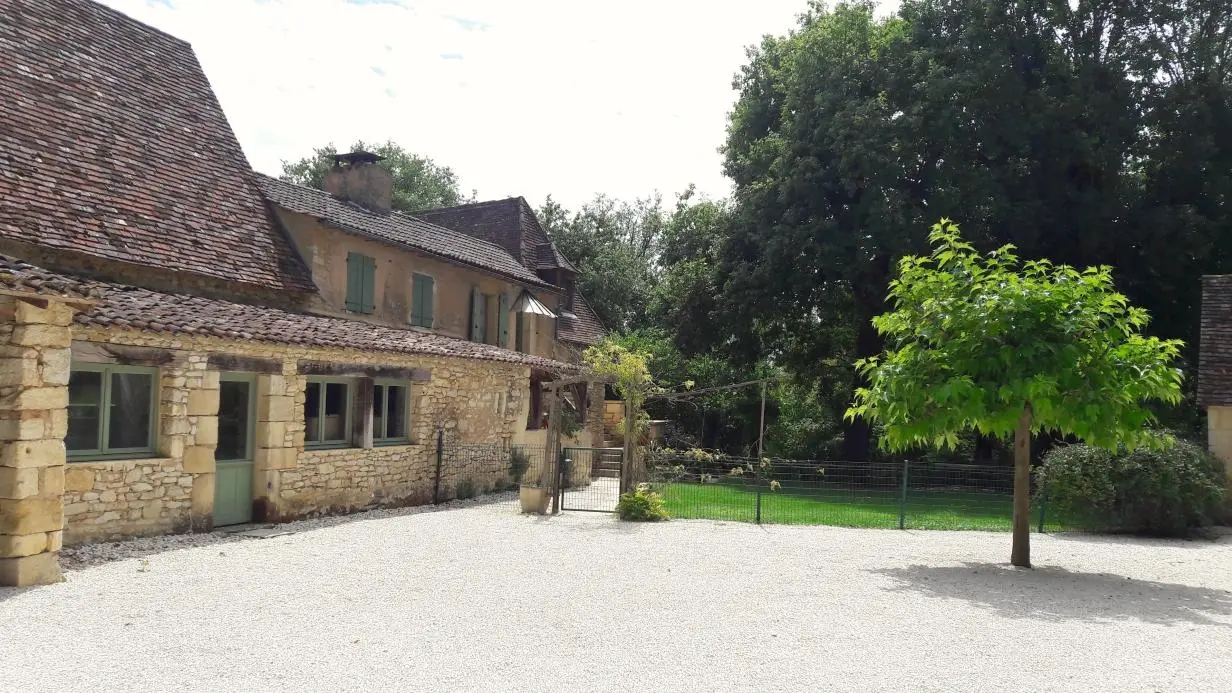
{"points": [[356, 178]]}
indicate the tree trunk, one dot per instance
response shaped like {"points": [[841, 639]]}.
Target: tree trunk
{"points": [[1020, 555]]}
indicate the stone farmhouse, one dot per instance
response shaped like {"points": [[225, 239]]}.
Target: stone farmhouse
{"points": [[186, 343]]}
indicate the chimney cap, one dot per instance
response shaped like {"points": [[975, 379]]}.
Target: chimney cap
{"points": [[356, 158]]}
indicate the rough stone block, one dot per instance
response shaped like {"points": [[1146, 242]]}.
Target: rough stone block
{"points": [[55, 313], [33, 453], [41, 398], [24, 425], [52, 483], [19, 372], [211, 380], [276, 458], [22, 545], [42, 335], [1219, 418], [276, 408], [56, 424], [202, 402], [31, 515], [39, 569], [55, 366], [16, 483], [271, 434], [152, 510], [199, 459], [79, 479], [203, 494], [207, 430], [55, 540]]}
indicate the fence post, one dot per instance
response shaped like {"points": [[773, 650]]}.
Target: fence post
{"points": [[902, 498], [440, 455]]}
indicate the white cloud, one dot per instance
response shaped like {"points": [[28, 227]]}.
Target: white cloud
{"points": [[568, 97]]}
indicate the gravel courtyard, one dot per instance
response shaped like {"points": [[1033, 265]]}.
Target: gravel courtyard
{"points": [[480, 598]]}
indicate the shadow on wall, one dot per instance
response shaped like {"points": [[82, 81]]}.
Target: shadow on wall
{"points": [[1056, 594]]}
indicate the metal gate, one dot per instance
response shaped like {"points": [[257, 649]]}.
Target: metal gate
{"points": [[590, 479]]}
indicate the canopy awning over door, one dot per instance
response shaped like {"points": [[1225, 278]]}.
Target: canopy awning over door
{"points": [[529, 304]]}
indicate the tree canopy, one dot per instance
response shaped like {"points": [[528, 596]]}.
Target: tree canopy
{"points": [[1005, 348], [419, 182]]}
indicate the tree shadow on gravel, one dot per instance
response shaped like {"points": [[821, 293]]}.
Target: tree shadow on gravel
{"points": [[1056, 594], [1204, 541]]}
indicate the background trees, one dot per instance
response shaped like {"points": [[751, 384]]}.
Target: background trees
{"points": [[419, 182]]}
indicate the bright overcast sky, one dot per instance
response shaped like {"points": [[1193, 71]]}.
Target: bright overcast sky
{"points": [[520, 97]]}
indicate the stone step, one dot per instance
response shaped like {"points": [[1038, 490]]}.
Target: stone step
{"points": [[605, 473]]}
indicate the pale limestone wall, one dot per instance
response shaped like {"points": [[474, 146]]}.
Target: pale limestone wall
{"points": [[34, 373], [117, 498], [1219, 437], [473, 401]]}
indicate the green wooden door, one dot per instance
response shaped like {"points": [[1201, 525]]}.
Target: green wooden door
{"points": [[233, 481]]}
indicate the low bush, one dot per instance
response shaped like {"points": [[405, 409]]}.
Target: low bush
{"points": [[1167, 493], [642, 505], [519, 462], [466, 489]]}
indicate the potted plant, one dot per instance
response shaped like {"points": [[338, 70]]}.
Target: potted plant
{"points": [[533, 495]]}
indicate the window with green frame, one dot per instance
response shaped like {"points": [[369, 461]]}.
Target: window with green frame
{"points": [[327, 412], [390, 412], [423, 290], [361, 283], [112, 411]]}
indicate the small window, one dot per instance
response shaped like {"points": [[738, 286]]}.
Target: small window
{"points": [[423, 296], [361, 283], [111, 411], [327, 413], [390, 412], [536, 417]]}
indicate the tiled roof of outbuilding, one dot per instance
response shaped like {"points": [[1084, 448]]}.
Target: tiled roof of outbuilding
{"points": [[584, 327], [128, 307], [113, 144], [396, 227], [1215, 342]]}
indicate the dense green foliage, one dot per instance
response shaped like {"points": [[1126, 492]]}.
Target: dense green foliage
{"points": [[419, 182], [1170, 492], [519, 463], [641, 505], [975, 341]]}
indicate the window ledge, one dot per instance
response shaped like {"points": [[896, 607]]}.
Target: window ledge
{"points": [[133, 460], [403, 443]]}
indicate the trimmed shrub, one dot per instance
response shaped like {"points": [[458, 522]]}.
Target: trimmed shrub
{"points": [[1164, 493], [466, 489], [642, 505], [519, 462]]}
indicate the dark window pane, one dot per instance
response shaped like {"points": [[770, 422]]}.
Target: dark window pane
{"points": [[333, 428], [85, 393], [397, 412], [233, 421], [378, 411], [129, 425], [312, 412]]}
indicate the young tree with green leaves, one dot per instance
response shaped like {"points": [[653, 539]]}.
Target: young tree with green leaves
{"points": [[1012, 349]]}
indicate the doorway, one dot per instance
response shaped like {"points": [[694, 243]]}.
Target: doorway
{"points": [[233, 456]]}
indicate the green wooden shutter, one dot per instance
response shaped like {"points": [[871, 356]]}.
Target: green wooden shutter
{"points": [[502, 319], [476, 315], [368, 297], [355, 281], [429, 301], [422, 289]]}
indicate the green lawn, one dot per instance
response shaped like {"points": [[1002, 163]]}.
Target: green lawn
{"points": [[846, 507]]}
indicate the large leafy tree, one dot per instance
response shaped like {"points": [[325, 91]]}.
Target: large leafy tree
{"points": [[1012, 349], [419, 182]]}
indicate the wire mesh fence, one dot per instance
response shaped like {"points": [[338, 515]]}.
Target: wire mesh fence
{"points": [[590, 479], [907, 495], [466, 471]]}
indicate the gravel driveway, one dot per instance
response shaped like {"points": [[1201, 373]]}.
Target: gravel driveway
{"points": [[480, 598]]}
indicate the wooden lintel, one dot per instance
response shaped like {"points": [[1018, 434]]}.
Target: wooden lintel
{"points": [[243, 364], [121, 354], [351, 370]]}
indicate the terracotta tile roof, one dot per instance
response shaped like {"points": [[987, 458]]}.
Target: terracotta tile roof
{"points": [[129, 307], [17, 275], [113, 144], [1215, 342], [583, 328], [395, 227], [509, 223]]}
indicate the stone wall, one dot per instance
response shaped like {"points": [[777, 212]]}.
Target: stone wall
{"points": [[1219, 438], [34, 373], [472, 401], [119, 498]]}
